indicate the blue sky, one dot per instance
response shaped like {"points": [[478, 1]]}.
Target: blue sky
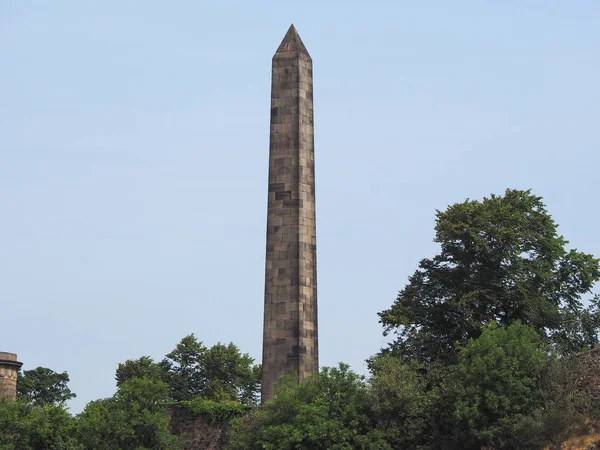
{"points": [[134, 156]]}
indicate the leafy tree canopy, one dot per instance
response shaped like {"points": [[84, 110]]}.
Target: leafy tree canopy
{"points": [[28, 426], [143, 367], [498, 374], [501, 260], [399, 401], [219, 373], [326, 412], [43, 386], [133, 419]]}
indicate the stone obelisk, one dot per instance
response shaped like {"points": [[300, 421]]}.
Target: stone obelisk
{"points": [[290, 340]]}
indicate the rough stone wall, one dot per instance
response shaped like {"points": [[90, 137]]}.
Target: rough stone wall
{"points": [[290, 340], [9, 368], [589, 379], [197, 434]]}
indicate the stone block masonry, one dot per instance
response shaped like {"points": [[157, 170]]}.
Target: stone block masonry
{"points": [[196, 433], [290, 338], [9, 368]]}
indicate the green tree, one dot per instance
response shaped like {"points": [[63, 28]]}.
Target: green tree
{"points": [[501, 260], [325, 412], [565, 406], [43, 386], [27, 426], [217, 373], [135, 418], [182, 369], [499, 375], [399, 400], [144, 367], [230, 375]]}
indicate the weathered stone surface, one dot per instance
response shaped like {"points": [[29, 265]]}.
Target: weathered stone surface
{"points": [[9, 367], [589, 373], [196, 433], [290, 340]]}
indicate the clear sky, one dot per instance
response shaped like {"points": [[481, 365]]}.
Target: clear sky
{"points": [[134, 156]]}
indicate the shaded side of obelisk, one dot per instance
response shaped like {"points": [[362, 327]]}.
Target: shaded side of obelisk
{"points": [[290, 338]]}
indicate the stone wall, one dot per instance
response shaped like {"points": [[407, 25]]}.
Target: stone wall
{"points": [[589, 379], [196, 432]]}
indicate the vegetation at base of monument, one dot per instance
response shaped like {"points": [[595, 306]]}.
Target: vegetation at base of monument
{"points": [[498, 385], [43, 386], [484, 330], [508, 390], [218, 383], [399, 402], [326, 412], [488, 335], [215, 413]]}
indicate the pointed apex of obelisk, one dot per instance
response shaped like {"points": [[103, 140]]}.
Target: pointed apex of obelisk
{"points": [[292, 43]]}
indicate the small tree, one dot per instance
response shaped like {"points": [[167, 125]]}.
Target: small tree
{"points": [[218, 373], [399, 401], [144, 367], [134, 418], [43, 386], [499, 375]]}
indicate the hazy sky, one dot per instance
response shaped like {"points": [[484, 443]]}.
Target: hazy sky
{"points": [[134, 156]]}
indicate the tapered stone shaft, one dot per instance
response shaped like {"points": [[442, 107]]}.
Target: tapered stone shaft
{"points": [[290, 339]]}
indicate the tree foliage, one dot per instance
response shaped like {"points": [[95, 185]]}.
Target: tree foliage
{"points": [[28, 426], [325, 412], [215, 413], [43, 386], [143, 367], [219, 373], [501, 260], [399, 401], [484, 331], [508, 390], [499, 375], [134, 418]]}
